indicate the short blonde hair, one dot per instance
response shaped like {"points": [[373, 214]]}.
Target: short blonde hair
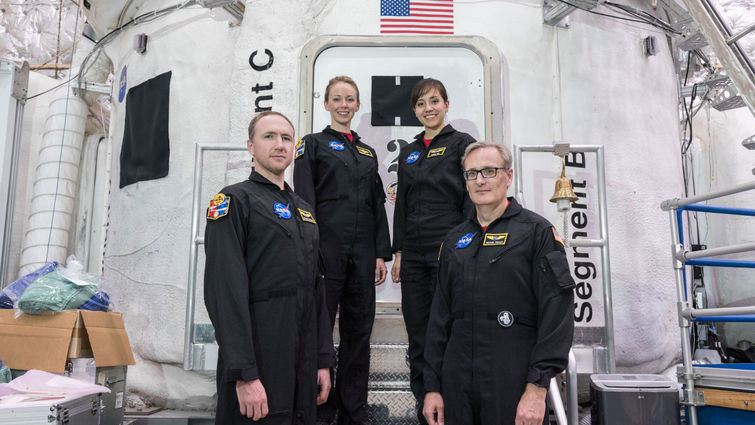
{"points": [[502, 150], [255, 120]]}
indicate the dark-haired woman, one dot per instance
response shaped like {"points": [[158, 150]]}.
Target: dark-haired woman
{"points": [[337, 173], [431, 199]]}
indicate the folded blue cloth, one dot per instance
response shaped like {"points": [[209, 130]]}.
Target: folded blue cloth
{"points": [[99, 302]]}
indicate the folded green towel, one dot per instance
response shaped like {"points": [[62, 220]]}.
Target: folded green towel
{"points": [[54, 293], [5, 376]]}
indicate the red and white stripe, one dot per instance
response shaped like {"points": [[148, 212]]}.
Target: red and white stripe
{"points": [[425, 17]]}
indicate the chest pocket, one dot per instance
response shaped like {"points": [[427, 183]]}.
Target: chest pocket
{"points": [[498, 252]]}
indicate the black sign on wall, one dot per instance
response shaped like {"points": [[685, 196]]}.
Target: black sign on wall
{"points": [[145, 151], [390, 101]]}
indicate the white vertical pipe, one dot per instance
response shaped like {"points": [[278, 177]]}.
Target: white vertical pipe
{"points": [[55, 183]]}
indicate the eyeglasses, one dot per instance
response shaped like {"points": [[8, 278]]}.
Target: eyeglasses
{"points": [[487, 173]]}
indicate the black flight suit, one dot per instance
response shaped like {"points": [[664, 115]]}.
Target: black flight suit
{"points": [[431, 199], [340, 178], [502, 316], [264, 294]]}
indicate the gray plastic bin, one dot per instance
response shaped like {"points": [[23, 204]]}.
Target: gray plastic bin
{"points": [[634, 399]]}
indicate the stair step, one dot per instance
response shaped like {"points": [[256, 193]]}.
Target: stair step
{"points": [[389, 358], [389, 367], [391, 407], [388, 385]]}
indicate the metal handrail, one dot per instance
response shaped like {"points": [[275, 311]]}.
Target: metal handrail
{"points": [[749, 318], [571, 415], [734, 38], [713, 252], [671, 204], [718, 210], [601, 243], [692, 313], [687, 313], [556, 403], [197, 240], [721, 263], [572, 394], [587, 243]]}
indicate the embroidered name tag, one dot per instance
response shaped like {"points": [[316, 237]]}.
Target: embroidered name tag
{"points": [[306, 216], [363, 151], [219, 206], [495, 239], [436, 152]]}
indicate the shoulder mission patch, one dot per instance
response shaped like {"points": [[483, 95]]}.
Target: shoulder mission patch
{"points": [[557, 237], [219, 206], [299, 148]]}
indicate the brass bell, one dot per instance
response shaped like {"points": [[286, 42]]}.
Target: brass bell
{"points": [[563, 195]]}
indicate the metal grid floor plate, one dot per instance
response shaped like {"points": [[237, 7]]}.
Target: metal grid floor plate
{"points": [[391, 408], [389, 368]]}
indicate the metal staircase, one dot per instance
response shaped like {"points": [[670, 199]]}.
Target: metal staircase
{"points": [[389, 397]]}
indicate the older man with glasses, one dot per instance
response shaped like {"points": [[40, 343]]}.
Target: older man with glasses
{"points": [[501, 322]]}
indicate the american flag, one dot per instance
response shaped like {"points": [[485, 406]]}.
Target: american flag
{"points": [[416, 16]]}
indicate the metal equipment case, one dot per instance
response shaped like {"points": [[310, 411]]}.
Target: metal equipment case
{"points": [[113, 377], [82, 410], [630, 399]]}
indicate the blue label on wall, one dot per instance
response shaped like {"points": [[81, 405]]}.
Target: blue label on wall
{"points": [[122, 85]]}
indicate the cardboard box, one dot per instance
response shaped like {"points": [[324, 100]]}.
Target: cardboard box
{"points": [[45, 342]]}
